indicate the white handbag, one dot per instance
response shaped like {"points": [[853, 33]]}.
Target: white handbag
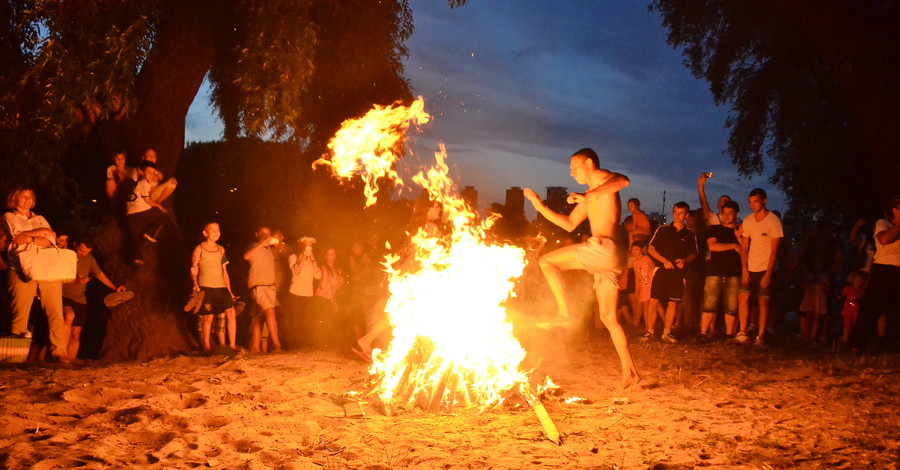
{"points": [[48, 264]]}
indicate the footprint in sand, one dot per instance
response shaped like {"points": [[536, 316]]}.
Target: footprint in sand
{"points": [[49, 464]]}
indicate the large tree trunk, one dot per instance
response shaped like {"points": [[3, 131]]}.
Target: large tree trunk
{"points": [[152, 324]]}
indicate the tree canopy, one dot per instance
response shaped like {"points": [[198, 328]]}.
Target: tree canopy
{"points": [[81, 79], [813, 90]]}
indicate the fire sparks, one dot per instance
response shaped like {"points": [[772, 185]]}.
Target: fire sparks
{"points": [[452, 345]]}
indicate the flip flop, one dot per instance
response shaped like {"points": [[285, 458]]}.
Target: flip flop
{"points": [[194, 302], [116, 298], [362, 355]]}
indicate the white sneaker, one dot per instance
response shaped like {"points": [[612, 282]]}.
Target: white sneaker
{"points": [[742, 338]]}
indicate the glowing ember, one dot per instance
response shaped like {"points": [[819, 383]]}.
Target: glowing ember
{"points": [[369, 146], [452, 345]]}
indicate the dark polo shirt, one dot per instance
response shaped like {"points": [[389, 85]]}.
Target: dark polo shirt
{"points": [[674, 244], [723, 263]]}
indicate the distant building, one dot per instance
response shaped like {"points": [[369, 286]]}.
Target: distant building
{"points": [[659, 218], [515, 202], [469, 195], [557, 193], [556, 201], [512, 223]]}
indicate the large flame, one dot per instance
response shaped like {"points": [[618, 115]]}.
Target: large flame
{"points": [[369, 146], [452, 344]]}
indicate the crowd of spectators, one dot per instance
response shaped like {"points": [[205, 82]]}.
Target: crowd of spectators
{"points": [[710, 274], [751, 280]]}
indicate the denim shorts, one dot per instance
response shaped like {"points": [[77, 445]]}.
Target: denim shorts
{"points": [[721, 290]]}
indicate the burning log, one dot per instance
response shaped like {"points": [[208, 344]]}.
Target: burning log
{"points": [[437, 395], [549, 428], [417, 359]]}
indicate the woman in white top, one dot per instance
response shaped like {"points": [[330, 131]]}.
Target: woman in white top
{"points": [[28, 231]]}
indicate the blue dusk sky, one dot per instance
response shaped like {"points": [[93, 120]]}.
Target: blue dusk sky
{"points": [[515, 87]]}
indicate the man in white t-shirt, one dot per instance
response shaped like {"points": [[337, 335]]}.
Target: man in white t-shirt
{"points": [[760, 237]]}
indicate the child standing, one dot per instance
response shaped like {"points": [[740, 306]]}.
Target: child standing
{"points": [[644, 267], [853, 293], [209, 273]]}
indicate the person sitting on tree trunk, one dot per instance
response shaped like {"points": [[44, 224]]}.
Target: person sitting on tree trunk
{"points": [[120, 178], [144, 215], [163, 188]]}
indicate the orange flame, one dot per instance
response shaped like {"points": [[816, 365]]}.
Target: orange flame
{"points": [[369, 146], [452, 344]]}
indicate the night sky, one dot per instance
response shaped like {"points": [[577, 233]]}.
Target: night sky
{"points": [[516, 87]]}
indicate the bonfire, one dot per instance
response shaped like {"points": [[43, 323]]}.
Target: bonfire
{"points": [[453, 346]]}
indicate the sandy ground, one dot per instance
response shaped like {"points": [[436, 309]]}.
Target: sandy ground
{"points": [[716, 405]]}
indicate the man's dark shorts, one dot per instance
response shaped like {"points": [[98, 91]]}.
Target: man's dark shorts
{"points": [[81, 311], [668, 285], [754, 288], [215, 300]]}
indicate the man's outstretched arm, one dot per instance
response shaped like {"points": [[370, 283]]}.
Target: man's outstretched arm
{"points": [[566, 222]]}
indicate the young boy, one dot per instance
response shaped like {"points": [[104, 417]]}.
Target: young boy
{"points": [[210, 274]]}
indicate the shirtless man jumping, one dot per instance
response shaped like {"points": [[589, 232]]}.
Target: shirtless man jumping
{"points": [[599, 256]]}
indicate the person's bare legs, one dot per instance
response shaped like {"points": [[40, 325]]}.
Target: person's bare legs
{"points": [[650, 315], [645, 315], [805, 325], [272, 325], [637, 311], [205, 330], [365, 342], [706, 321], [764, 316], [231, 327], [671, 311], [606, 297], [68, 320], [743, 311], [552, 265], [256, 324], [74, 342], [164, 190], [730, 324], [220, 334]]}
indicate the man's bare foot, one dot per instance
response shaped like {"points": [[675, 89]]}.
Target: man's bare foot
{"points": [[362, 355], [630, 382], [556, 322], [365, 348]]}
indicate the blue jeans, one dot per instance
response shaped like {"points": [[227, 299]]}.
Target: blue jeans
{"points": [[721, 289]]}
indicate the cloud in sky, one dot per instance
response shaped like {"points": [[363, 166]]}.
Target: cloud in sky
{"points": [[540, 80], [516, 87]]}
